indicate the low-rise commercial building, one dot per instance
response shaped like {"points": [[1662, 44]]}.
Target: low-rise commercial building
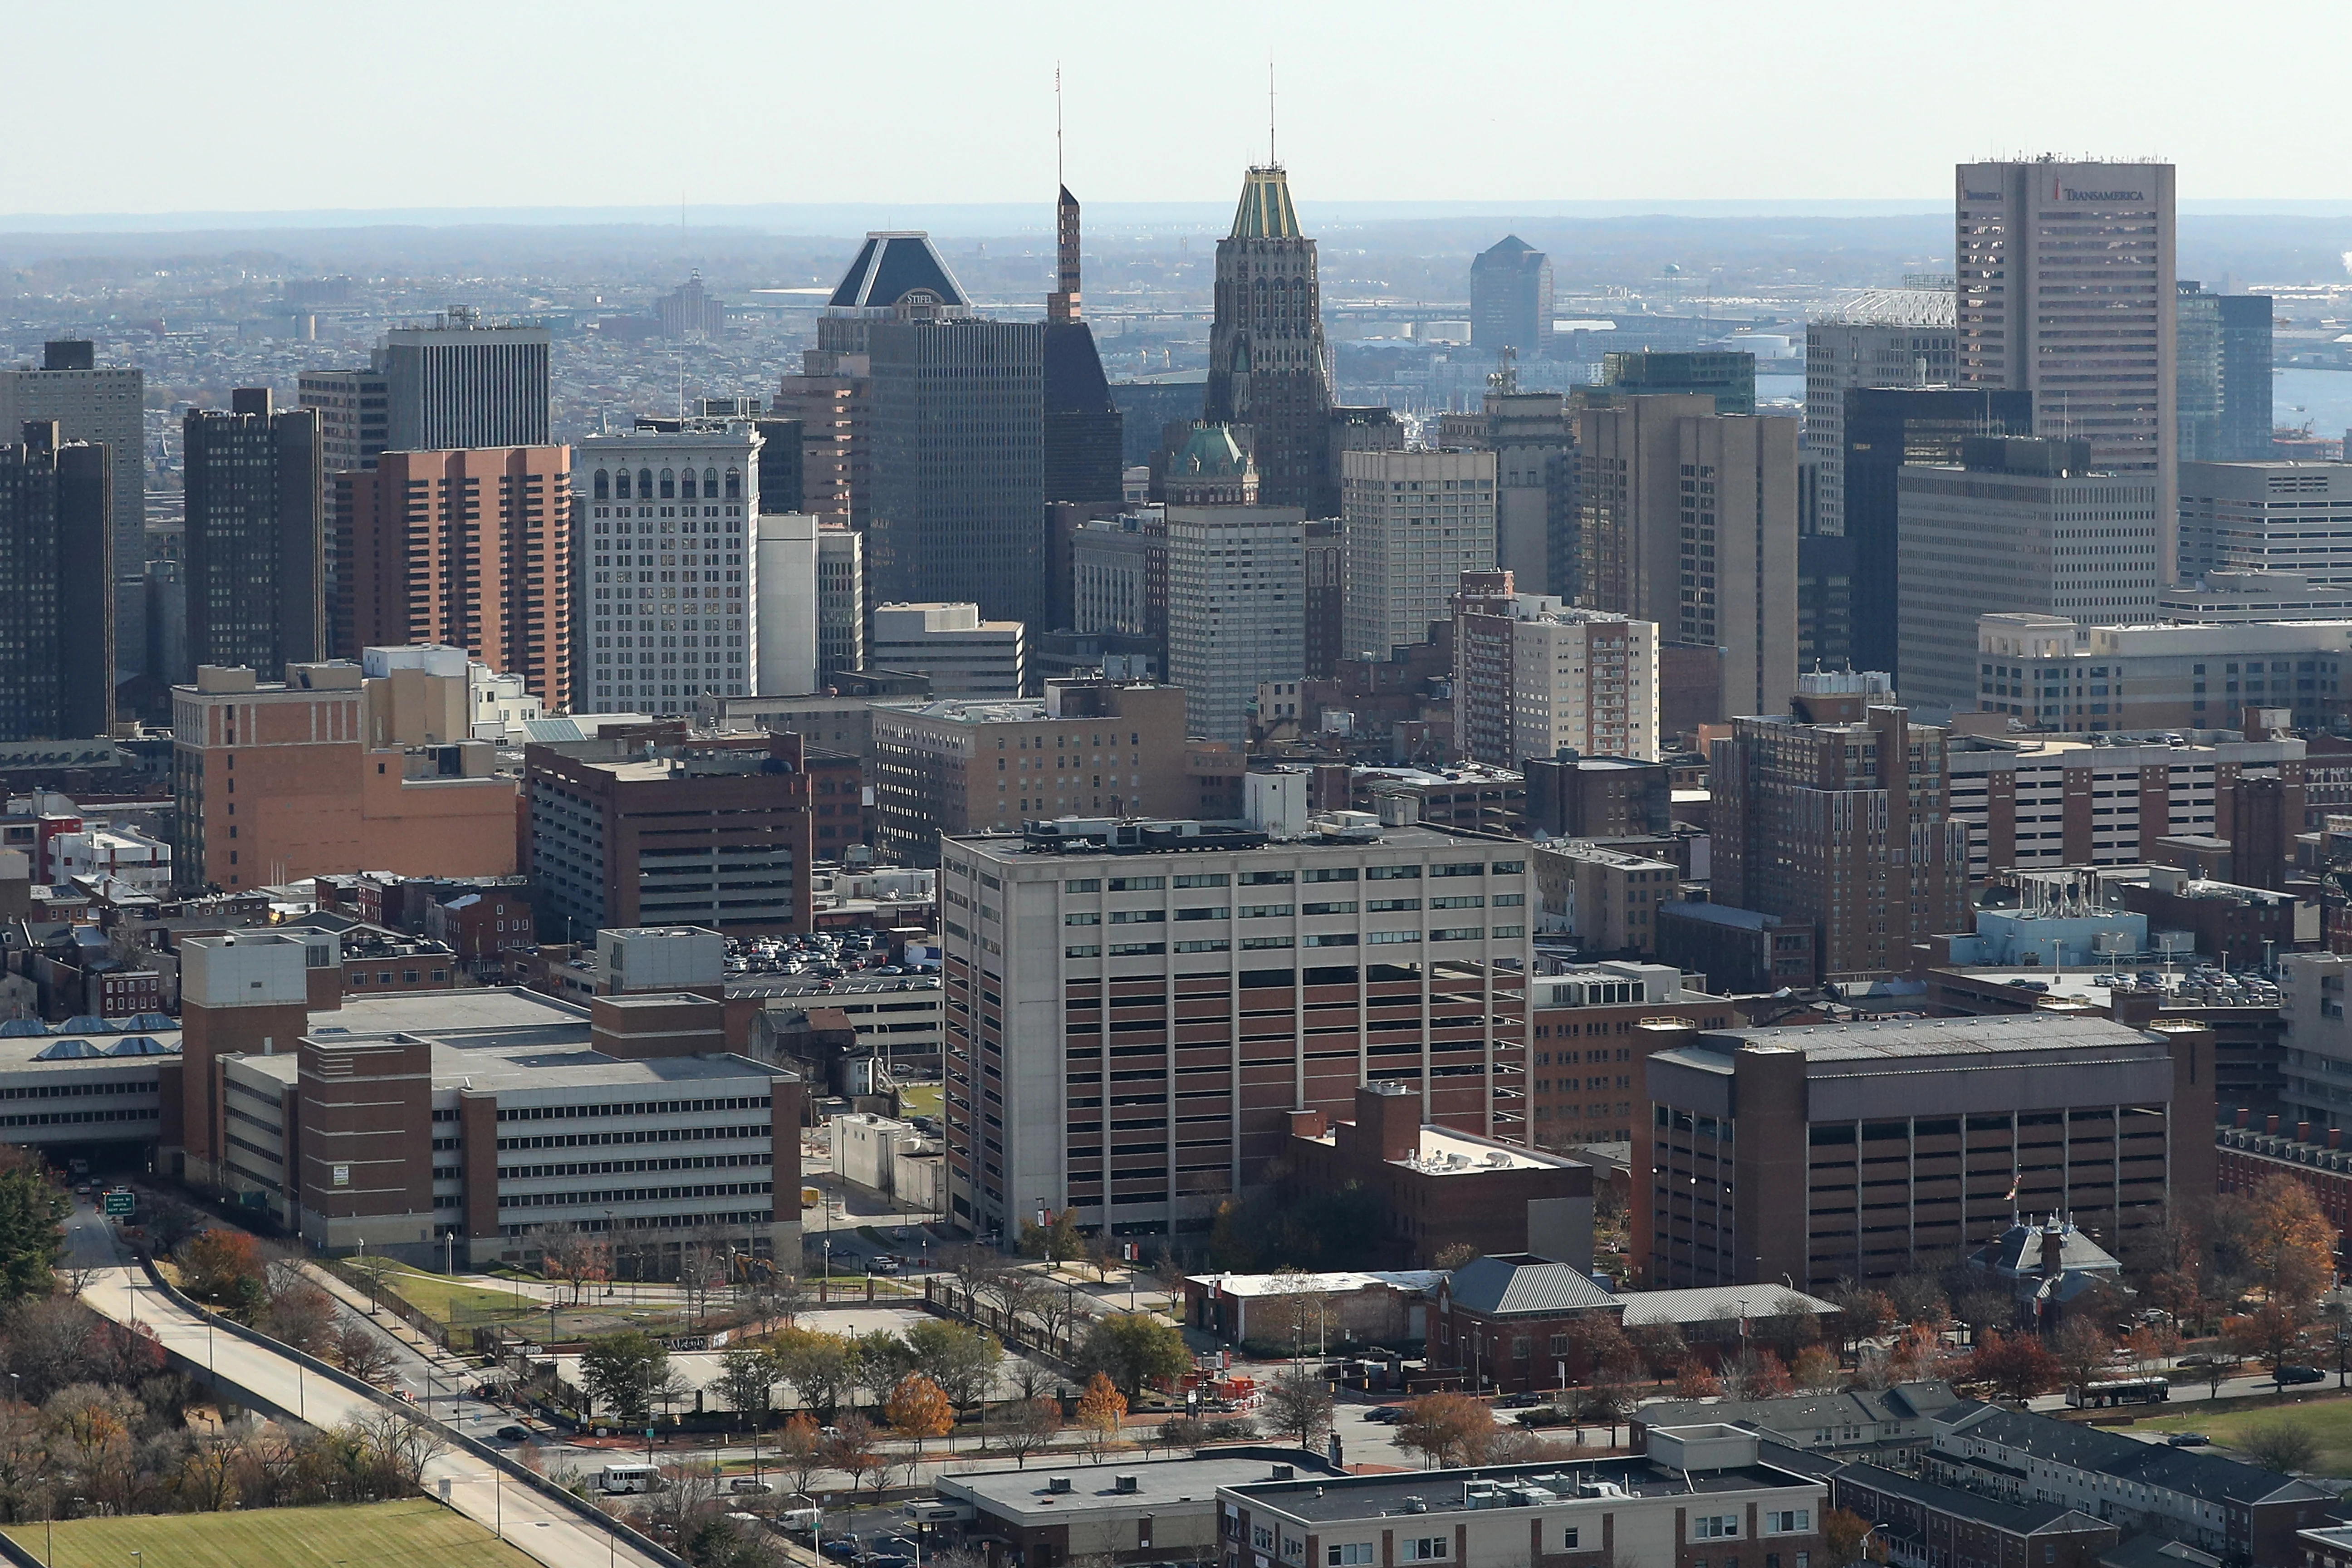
{"points": [[959, 653], [1986, 1116], [2238, 1512], [318, 793], [1091, 748], [465, 1122], [1441, 1188], [1161, 1512], [1738, 951], [718, 831], [2057, 673], [1606, 900], [1699, 1493], [2043, 801]]}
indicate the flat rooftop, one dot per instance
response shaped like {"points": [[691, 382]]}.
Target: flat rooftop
{"points": [[1416, 836], [1024, 1494], [546, 1067], [1896, 1040], [1319, 1499], [490, 1015]]}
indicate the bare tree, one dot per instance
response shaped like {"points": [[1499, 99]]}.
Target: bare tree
{"points": [[404, 1445], [358, 1351], [1024, 1426], [569, 1254]]}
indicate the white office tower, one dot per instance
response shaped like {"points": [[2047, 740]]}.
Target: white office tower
{"points": [[1236, 609], [840, 598], [2025, 524], [962, 655], [2065, 289], [672, 579], [1884, 337], [464, 382], [787, 613], [1416, 521], [102, 405]]}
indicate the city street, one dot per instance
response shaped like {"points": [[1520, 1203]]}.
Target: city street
{"points": [[116, 1289]]}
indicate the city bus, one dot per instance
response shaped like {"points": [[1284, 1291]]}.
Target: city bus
{"points": [[2120, 1391]]}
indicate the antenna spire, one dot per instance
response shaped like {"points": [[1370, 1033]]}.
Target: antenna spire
{"points": [[1058, 177], [1269, 113]]}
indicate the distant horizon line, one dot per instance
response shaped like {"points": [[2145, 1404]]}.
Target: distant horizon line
{"points": [[828, 218]]}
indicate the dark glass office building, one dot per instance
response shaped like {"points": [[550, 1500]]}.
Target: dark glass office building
{"points": [[56, 557], [255, 536], [1887, 427]]}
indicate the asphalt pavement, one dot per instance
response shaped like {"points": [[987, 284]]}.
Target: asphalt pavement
{"points": [[118, 1289]]}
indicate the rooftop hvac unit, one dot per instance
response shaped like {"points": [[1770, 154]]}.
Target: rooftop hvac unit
{"points": [[1397, 810]]}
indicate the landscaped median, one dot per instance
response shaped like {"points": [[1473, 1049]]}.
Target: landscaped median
{"points": [[413, 1533]]}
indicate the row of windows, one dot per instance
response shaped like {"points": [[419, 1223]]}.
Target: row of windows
{"points": [[614, 484]]}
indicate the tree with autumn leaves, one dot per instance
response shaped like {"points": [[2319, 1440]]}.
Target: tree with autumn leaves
{"points": [[2290, 1244], [919, 1408], [1101, 1410]]}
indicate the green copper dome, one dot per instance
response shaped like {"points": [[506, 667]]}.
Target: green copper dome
{"points": [[1210, 452]]}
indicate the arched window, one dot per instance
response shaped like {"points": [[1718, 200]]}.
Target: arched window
{"points": [[686, 483], [622, 488], [734, 485], [604, 485], [710, 484], [644, 484], [670, 484]]}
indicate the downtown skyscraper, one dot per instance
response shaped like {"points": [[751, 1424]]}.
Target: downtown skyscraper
{"points": [[2065, 278], [56, 642], [1269, 370], [255, 536], [1083, 426]]}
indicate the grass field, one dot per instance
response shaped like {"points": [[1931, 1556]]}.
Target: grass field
{"points": [[436, 1295], [922, 1098], [2330, 1420], [416, 1533]]}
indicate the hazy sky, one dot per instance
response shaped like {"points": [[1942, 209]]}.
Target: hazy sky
{"points": [[160, 106]]}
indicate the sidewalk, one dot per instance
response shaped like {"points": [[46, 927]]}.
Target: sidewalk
{"points": [[455, 1367]]}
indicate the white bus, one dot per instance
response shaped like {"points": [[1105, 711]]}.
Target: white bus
{"points": [[630, 1479]]}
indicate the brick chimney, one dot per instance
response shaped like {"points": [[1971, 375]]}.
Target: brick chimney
{"points": [[1389, 1115]]}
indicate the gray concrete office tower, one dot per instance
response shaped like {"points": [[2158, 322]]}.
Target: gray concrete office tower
{"points": [[1688, 519], [100, 404], [462, 382], [1884, 337], [2276, 516], [1533, 438], [957, 435], [1510, 298], [255, 536], [2023, 523], [57, 547], [2065, 289], [1269, 374]]}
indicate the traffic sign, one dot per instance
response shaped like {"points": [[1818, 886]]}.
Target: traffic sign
{"points": [[121, 1203]]}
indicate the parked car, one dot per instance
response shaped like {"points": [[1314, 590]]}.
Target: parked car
{"points": [[514, 1434], [748, 1484], [2287, 1375], [842, 1549], [1386, 1415], [885, 1264], [2188, 1440]]}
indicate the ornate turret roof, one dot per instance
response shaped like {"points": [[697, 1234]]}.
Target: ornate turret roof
{"points": [[1210, 452], [1265, 212]]}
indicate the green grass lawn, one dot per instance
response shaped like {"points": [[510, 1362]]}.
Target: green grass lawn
{"points": [[435, 1294], [922, 1098], [2329, 1419], [416, 1533]]}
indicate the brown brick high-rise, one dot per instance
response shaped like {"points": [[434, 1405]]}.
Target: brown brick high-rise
{"points": [[471, 548]]}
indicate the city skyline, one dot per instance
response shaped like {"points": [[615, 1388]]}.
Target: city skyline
{"points": [[1727, 76]]}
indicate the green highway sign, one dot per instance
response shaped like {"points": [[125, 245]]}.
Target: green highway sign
{"points": [[121, 1204]]}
